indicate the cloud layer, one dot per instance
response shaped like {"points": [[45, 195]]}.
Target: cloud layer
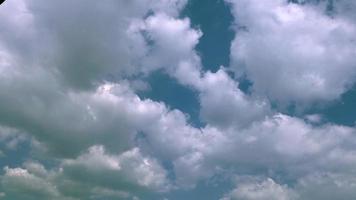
{"points": [[68, 92]]}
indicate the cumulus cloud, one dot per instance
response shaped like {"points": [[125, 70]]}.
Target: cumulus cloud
{"points": [[282, 144], [38, 101], [71, 91], [94, 174], [86, 45], [130, 172], [55, 91], [313, 186], [224, 105], [19, 183], [172, 41], [326, 186], [260, 190], [292, 52], [279, 146]]}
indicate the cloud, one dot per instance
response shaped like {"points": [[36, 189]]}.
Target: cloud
{"points": [[224, 105], [19, 183], [327, 186], [251, 189], [293, 53], [11, 137], [274, 146], [94, 174], [173, 41], [70, 89], [89, 43], [279, 146], [313, 186], [130, 171], [45, 97]]}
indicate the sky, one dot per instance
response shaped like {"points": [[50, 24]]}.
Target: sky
{"points": [[178, 100]]}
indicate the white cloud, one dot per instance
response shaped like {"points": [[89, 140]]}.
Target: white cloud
{"points": [[57, 113], [107, 142], [327, 186], [293, 53], [88, 43], [18, 183], [94, 174], [172, 42], [129, 170], [224, 105], [285, 144], [317, 185], [260, 190], [314, 118]]}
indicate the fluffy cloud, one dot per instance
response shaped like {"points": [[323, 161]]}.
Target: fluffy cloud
{"points": [[172, 42], [282, 144], [224, 105], [95, 174], [72, 93], [129, 172], [313, 186], [293, 53], [112, 115], [90, 43], [44, 98], [279, 146], [40, 91], [255, 190], [19, 183], [326, 186]]}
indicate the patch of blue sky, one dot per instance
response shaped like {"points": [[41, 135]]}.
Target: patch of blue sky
{"points": [[341, 111], [214, 19], [14, 157]]}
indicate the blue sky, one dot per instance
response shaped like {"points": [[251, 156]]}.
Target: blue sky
{"points": [[178, 99]]}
